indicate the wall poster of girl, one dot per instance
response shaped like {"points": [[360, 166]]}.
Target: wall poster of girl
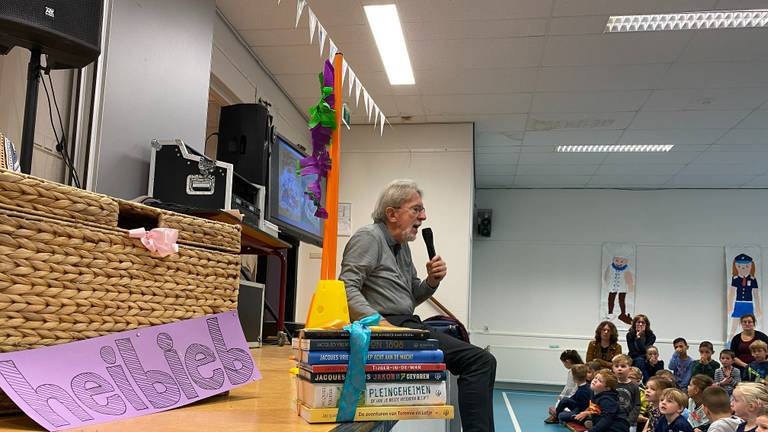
{"points": [[619, 276], [743, 276]]}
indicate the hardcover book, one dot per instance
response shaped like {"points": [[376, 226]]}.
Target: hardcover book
{"points": [[376, 394], [375, 345], [328, 415], [339, 377], [383, 367], [336, 357]]}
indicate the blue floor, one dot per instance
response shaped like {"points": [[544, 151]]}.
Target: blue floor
{"points": [[529, 408]]}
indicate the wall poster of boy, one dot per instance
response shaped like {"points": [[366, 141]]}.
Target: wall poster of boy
{"points": [[618, 275], [743, 276]]}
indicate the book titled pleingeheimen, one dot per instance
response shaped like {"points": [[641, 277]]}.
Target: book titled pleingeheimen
{"points": [[383, 367], [376, 333], [364, 413], [376, 394], [336, 357], [373, 376]]}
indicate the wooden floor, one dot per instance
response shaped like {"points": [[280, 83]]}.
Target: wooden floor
{"points": [[265, 405]]}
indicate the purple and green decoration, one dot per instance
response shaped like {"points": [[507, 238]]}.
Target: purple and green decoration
{"points": [[322, 122]]}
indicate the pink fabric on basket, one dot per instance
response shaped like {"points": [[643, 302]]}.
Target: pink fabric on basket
{"points": [[159, 241]]}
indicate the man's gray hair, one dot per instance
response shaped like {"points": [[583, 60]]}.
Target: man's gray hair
{"points": [[394, 195]]}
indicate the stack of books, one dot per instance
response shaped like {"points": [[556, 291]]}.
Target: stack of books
{"points": [[405, 375]]}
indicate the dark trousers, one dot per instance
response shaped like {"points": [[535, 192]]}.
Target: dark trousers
{"points": [[476, 369]]}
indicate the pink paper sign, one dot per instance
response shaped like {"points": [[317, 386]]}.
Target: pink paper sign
{"points": [[129, 374]]}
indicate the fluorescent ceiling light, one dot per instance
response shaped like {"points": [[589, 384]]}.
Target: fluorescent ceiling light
{"points": [[388, 34], [646, 148], [688, 21]]}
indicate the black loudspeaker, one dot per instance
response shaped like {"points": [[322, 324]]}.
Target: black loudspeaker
{"points": [[484, 222], [68, 31], [245, 137]]}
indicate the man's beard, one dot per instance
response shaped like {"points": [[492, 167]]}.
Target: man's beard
{"points": [[409, 237]]}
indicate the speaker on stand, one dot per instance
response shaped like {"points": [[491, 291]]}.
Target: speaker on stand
{"points": [[67, 31]]}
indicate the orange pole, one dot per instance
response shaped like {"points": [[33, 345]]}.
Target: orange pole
{"points": [[330, 231]]}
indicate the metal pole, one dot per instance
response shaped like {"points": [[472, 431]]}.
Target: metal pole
{"points": [[30, 112]]}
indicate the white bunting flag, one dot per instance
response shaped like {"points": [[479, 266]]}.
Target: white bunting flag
{"points": [[375, 110], [312, 24], [278, 2], [352, 79], [321, 37], [358, 87], [299, 9], [381, 124], [365, 99], [370, 107], [344, 67], [332, 50]]}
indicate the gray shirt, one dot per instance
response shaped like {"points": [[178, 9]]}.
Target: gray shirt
{"points": [[728, 424], [379, 275]]}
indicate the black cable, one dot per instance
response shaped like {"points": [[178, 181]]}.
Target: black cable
{"points": [[60, 142], [64, 148]]}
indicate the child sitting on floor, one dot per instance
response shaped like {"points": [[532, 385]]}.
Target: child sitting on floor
{"points": [[568, 407], [655, 386], [749, 402], [673, 402], [727, 376], [604, 410], [717, 407], [696, 387], [569, 358]]}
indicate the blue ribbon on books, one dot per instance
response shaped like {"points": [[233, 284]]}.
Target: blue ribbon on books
{"points": [[354, 383]]}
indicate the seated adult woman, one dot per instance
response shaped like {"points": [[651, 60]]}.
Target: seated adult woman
{"points": [[639, 338], [605, 346], [741, 342]]}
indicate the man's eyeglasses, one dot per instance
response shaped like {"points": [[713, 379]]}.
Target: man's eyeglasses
{"points": [[416, 210]]}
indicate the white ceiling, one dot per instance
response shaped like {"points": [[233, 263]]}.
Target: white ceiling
{"points": [[534, 74]]}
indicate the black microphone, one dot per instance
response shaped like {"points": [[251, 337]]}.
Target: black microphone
{"points": [[429, 239]]}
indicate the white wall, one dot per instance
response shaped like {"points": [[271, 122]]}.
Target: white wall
{"points": [[46, 162], [536, 281], [156, 86], [439, 158]]}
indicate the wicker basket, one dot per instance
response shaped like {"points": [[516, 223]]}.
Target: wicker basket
{"points": [[66, 280]]}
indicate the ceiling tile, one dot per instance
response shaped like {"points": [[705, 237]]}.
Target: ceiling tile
{"points": [[248, 15], [638, 169], [455, 80], [458, 10], [576, 121], [709, 181], [295, 59], [590, 78], [640, 159], [716, 75], [589, 102], [687, 119], [275, 37], [571, 137], [738, 148], [672, 136], [614, 49], [476, 104], [496, 149], [745, 99], [564, 169], [495, 140], [756, 120], [486, 29], [627, 7], [733, 157], [746, 136], [409, 105], [496, 158], [497, 170], [759, 181], [515, 52], [561, 158], [696, 168], [550, 180], [731, 45], [628, 180], [577, 25], [490, 181], [343, 12]]}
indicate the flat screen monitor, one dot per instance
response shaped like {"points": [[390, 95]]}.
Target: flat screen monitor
{"points": [[289, 207]]}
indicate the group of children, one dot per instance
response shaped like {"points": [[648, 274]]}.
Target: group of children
{"points": [[693, 396]]}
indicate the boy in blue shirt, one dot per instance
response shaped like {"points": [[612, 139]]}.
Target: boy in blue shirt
{"points": [[758, 369], [672, 404], [681, 364], [580, 400]]}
